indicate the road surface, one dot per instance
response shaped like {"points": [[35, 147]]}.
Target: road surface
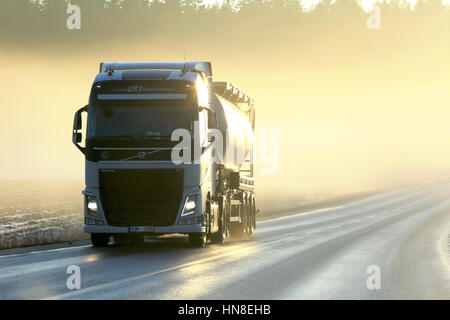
{"points": [[396, 243]]}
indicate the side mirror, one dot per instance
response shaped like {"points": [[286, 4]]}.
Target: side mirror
{"points": [[79, 124], [235, 180], [77, 137]]}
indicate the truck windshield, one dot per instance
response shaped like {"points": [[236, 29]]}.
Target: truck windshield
{"points": [[137, 122]]}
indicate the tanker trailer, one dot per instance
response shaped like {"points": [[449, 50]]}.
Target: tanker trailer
{"points": [[134, 188], [235, 115]]}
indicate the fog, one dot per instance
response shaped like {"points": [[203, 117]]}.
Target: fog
{"points": [[356, 109]]}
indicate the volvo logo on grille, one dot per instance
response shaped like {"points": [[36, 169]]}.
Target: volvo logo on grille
{"points": [[141, 155], [104, 155]]}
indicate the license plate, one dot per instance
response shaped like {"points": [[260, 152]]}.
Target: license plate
{"points": [[141, 229]]}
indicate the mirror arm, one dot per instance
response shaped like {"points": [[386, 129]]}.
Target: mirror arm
{"points": [[83, 150]]}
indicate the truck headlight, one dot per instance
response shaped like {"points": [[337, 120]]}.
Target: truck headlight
{"points": [[92, 205], [189, 205]]}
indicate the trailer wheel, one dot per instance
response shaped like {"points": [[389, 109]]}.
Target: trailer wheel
{"points": [[248, 220], [251, 216], [197, 240], [100, 239]]}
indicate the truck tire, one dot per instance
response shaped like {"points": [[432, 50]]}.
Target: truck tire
{"points": [[251, 216], [220, 236], [197, 240], [100, 239], [247, 218]]}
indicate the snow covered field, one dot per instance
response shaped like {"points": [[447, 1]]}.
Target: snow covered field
{"points": [[40, 212]]}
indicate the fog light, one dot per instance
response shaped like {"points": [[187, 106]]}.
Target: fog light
{"points": [[92, 204]]}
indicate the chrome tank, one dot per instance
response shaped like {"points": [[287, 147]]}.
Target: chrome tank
{"points": [[237, 131]]}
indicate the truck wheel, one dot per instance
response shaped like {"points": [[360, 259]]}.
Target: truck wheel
{"points": [[220, 236], [197, 240], [254, 212], [99, 239]]}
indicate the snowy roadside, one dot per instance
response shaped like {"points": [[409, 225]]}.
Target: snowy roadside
{"points": [[40, 212]]}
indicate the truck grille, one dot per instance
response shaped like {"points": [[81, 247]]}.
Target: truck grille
{"points": [[141, 197]]}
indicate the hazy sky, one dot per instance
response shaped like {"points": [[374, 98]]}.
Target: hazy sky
{"points": [[356, 108]]}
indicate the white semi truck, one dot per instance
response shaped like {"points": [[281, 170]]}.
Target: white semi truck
{"points": [[134, 184]]}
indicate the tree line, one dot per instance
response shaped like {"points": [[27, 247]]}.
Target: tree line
{"points": [[41, 22]]}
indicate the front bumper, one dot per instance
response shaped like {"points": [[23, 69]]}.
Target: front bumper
{"points": [[191, 228]]}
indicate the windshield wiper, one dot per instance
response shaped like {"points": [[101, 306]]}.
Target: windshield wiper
{"points": [[157, 137], [134, 137], [125, 136]]}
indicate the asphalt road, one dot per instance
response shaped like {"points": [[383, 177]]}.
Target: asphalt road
{"points": [[401, 237]]}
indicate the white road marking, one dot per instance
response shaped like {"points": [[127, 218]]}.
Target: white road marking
{"points": [[301, 214], [246, 249], [42, 251]]}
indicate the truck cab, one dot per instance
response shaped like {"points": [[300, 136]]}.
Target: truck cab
{"points": [[134, 184]]}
